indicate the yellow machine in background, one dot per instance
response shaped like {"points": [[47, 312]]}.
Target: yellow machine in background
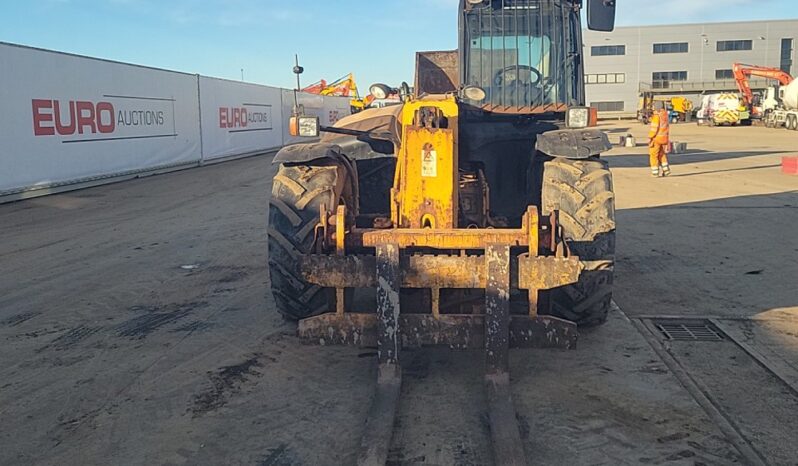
{"points": [[343, 87], [682, 105], [679, 108]]}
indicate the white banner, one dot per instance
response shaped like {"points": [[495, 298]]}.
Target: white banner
{"points": [[239, 118], [66, 118]]}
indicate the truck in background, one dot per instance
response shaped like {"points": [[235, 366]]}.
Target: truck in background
{"points": [[786, 111], [721, 109]]}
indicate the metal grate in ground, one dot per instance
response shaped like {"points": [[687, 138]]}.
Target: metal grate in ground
{"points": [[696, 330]]}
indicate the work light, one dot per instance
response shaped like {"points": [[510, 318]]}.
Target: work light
{"points": [[380, 91], [304, 126], [474, 93], [577, 117]]}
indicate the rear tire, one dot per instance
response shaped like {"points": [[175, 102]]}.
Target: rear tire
{"points": [[298, 191], [582, 191]]}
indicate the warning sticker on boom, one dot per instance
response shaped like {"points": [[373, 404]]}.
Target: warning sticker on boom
{"points": [[429, 162]]}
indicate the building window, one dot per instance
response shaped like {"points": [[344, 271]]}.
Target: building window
{"points": [[608, 106], [734, 45], [663, 79], [676, 47], [607, 78], [786, 55], [605, 50], [669, 76], [724, 74]]}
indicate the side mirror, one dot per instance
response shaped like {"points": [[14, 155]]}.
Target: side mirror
{"points": [[304, 126], [601, 15]]}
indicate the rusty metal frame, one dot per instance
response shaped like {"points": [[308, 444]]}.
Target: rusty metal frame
{"points": [[438, 271], [468, 259], [469, 239], [455, 331]]}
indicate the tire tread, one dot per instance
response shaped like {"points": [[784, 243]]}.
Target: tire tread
{"points": [[582, 191], [298, 191]]}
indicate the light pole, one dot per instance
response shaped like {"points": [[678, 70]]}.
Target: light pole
{"points": [[704, 44]]}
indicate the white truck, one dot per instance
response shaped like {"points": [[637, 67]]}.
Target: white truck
{"points": [[786, 112], [720, 109]]}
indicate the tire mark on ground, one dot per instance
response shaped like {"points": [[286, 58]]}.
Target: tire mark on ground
{"points": [[18, 319], [156, 317], [280, 456], [71, 338], [192, 327], [226, 382]]}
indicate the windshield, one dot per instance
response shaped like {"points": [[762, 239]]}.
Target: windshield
{"points": [[523, 53]]}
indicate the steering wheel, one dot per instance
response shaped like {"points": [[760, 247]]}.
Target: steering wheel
{"points": [[502, 75]]}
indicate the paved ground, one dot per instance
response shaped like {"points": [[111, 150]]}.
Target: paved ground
{"points": [[721, 228], [136, 328]]}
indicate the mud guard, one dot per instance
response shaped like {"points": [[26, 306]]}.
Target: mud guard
{"points": [[351, 148], [573, 143]]}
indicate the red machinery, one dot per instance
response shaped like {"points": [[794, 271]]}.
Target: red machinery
{"points": [[344, 87], [743, 72]]}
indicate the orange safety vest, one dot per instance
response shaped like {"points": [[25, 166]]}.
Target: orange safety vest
{"points": [[660, 130]]}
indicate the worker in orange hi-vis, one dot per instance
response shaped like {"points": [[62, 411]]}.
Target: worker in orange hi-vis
{"points": [[658, 139]]}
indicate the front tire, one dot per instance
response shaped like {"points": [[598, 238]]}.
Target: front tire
{"points": [[298, 191], [582, 192]]}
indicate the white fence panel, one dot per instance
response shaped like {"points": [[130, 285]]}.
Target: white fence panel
{"points": [[335, 108], [239, 118], [67, 119], [328, 109]]}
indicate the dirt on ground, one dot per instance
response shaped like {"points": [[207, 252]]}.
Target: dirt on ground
{"points": [[136, 327]]}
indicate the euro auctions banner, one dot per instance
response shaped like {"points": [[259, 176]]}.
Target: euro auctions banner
{"points": [[239, 118], [66, 118]]}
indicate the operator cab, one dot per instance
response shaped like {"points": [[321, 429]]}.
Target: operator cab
{"points": [[526, 54]]}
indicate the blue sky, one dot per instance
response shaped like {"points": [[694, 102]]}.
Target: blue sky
{"points": [[372, 38]]}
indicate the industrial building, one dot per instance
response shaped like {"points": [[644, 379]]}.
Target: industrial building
{"points": [[686, 59]]}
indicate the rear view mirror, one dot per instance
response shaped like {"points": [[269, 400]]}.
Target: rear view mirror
{"points": [[304, 126], [601, 15]]}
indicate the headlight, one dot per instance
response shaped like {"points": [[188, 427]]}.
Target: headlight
{"points": [[380, 91], [304, 126], [474, 93], [578, 117], [309, 127]]}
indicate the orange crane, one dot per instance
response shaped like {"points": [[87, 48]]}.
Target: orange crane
{"points": [[743, 72], [343, 87]]}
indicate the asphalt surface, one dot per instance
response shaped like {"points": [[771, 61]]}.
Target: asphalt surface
{"points": [[136, 327]]}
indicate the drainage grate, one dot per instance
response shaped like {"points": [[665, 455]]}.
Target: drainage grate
{"points": [[701, 330]]}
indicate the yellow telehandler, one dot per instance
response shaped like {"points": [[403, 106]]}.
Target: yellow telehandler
{"points": [[477, 214]]}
